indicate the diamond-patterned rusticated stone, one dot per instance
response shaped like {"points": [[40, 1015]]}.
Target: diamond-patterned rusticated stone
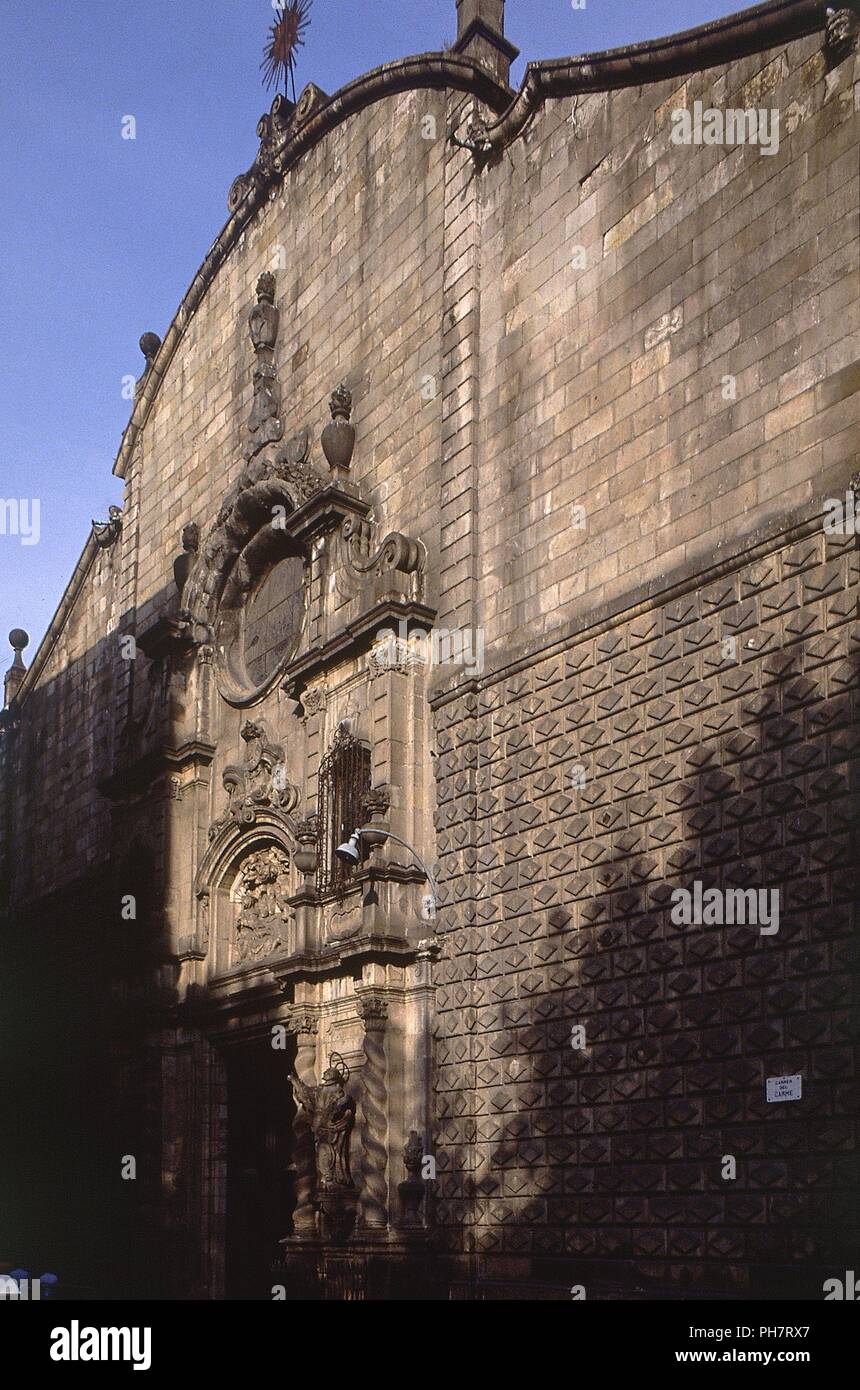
{"points": [[643, 759]]}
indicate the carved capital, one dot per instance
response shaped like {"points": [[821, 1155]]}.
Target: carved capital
{"points": [[302, 1021], [314, 700], [377, 802], [373, 1009]]}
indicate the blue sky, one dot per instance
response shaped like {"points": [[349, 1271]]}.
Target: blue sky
{"points": [[100, 236]]}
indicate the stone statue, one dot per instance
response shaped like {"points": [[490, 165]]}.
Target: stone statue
{"points": [[184, 563], [264, 424], [331, 1113]]}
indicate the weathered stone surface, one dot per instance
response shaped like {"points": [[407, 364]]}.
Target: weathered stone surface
{"points": [[595, 394]]}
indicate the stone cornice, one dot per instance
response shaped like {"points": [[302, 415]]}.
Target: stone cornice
{"points": [[694, 50], [640, 598], [129, 779]]}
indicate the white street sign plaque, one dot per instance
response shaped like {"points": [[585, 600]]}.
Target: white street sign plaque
{"points": [[783, 1087]]}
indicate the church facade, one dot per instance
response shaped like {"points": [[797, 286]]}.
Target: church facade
{"points": [[429, 823]]}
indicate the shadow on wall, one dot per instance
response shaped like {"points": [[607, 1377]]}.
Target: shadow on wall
{"points": [[716, 739], [81, 983]]}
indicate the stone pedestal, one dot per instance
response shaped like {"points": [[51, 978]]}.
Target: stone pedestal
{"points": [[364, 1270]]}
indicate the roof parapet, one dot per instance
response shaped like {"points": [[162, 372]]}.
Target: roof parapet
{"points": [[723, 41]]}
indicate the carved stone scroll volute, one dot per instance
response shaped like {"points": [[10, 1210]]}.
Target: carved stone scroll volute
{"points": [[257, 784]]}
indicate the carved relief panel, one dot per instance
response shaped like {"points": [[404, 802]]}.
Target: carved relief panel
{"points": [[246, 876], [260, 894]]}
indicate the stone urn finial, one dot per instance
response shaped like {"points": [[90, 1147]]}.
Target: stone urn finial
{"points": [[338, 437], [305, 857]]}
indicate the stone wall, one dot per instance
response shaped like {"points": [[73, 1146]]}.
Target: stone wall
{"points": [[623, 280], [710, 736], [650, 630], [607, 382]]}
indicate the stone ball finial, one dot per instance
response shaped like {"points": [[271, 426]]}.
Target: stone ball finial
{"points": [[149, 345], [18, 640]]}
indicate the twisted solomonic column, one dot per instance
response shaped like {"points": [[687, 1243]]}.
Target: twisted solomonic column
{"points": [[304, 1025], [374, 1153]]}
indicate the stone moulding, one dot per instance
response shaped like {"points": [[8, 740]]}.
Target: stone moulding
{"points": [[353, 638], [234, 841], [657, 593], [340, 957], [243, 542], [129, 779]]}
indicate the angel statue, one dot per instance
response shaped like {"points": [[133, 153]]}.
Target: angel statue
{"points": [[331, 1113]]}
